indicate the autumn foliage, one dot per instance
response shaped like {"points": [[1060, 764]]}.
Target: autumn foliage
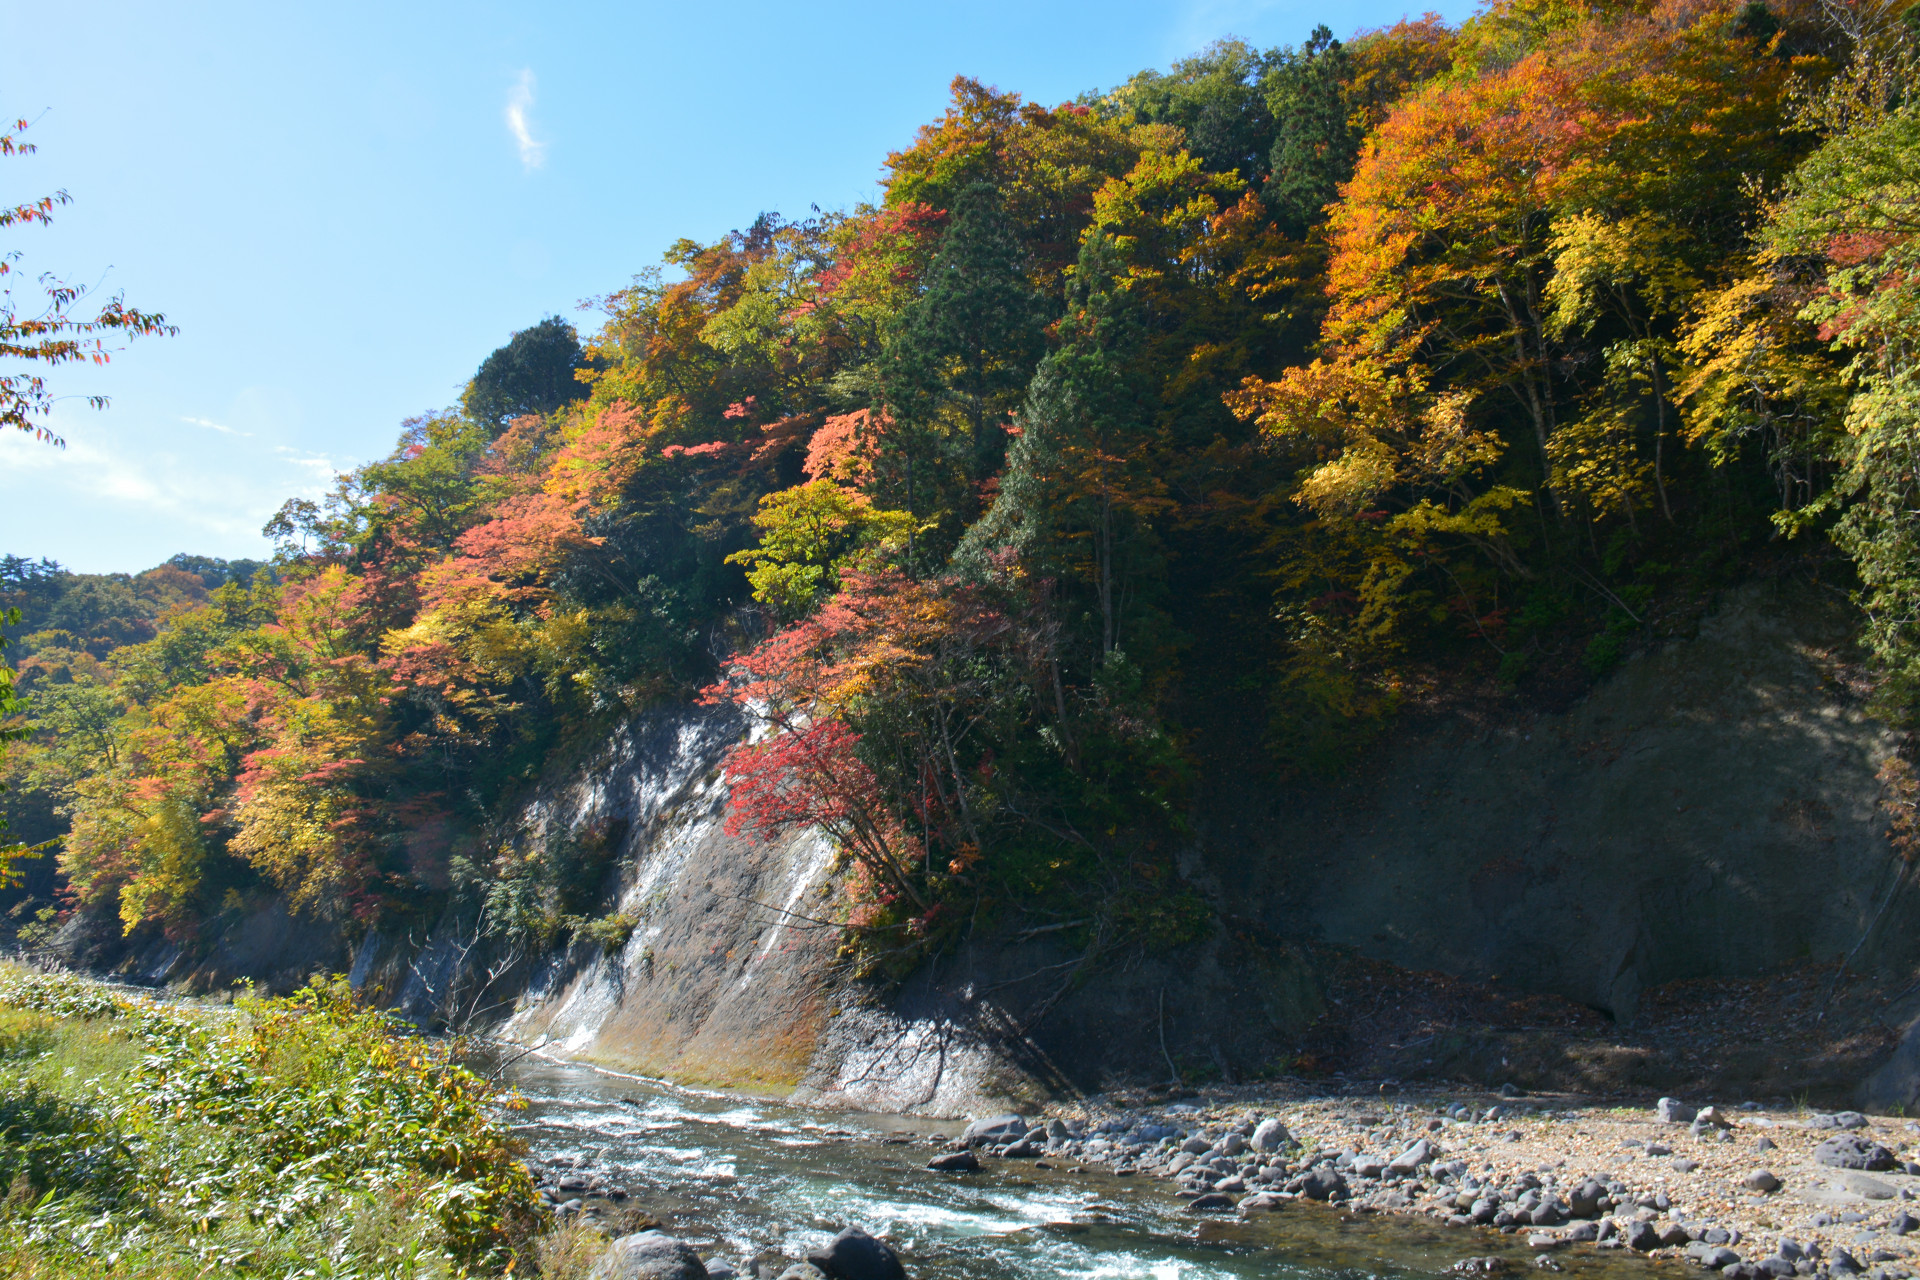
{"points": [[1186, 430]]}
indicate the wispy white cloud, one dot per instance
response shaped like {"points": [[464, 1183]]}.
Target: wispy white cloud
{"points": [[533, 153], [202, 496], [214, 426]]}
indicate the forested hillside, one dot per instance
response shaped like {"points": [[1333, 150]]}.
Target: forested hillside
{"points": [[1239, 408]]}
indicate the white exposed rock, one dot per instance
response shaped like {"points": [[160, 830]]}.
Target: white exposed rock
{"points": [[1271, 1135]]}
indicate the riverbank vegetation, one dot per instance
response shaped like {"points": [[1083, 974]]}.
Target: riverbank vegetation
{"points": [[1217, 417], [300, 1136]]}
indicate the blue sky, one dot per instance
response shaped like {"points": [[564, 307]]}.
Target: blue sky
{"points": [[345, 207]]}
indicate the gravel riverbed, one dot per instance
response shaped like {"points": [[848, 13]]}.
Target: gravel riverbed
{"points": [[1745, 1189]]}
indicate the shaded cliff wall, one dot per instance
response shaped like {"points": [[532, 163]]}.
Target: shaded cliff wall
{"points": [[1710, 810]]}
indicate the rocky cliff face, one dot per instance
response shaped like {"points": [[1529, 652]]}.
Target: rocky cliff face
{"points": [[1709, 811]]}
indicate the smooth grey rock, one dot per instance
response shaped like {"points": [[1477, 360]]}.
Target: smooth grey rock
{"points": [[1323, 1183], [1196, 1146], [1711, 1116], [1271, 1135], [1761, 1180], [649, 1255], [1581, 1233], [1766, 1144], [1007, 1128], [1843, 1261], [1543, 1241], [803, 1271], [1212, 1203], [1903, 1222], [1718, 1256], [1673, 1234], [1410, 1160], [855, 1255], [1641, 1236], [1547, 1214], [720, 1269], [1672, 1111], [1261, 1201], [1232, 1145], [955, 1162], [1585, 1199], [1658, 1149], [1851, 1151], [1683, 1165], [1776, 1266], [1368, 1166], [1871, 1188]]}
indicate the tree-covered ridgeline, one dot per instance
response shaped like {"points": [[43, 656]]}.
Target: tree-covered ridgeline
{"points": [[1222, 413]]}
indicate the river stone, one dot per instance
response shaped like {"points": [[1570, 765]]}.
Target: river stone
{"points": [[1196, 1146], [1584, 1200], [1581, 1233], [1851, 1151], [1368, 1166], [1232, 1145], [1323, 1183], [1861, 1185], [720, 1269], [1412, 1158], [1903, 1222], [855, 1255], [1271, 1135], [648, 1255], [993, 1129], [803, 1271], [1262, 1200], [1641, 1236], [1761, 1180], [955, 1162], [1672, 1111], [1210, 1204]]}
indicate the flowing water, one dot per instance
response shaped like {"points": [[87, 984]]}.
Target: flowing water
{"points": [[747, 1179]]}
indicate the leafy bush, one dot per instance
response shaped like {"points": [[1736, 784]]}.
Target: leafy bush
{"points": [[298, 1136]]}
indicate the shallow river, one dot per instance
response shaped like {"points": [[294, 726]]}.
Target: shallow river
{"points": [[746, 1179]]}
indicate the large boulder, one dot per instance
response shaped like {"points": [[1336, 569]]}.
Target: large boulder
{"points": [[1412, 1158], [648, 1255], [955, 1162], [994, 1129], [1851, 1151], [1271, 1135], [855, 1255], [1672, 1111], [1323, 1182]]}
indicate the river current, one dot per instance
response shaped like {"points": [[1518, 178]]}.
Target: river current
{"points": [[748, 1179]]}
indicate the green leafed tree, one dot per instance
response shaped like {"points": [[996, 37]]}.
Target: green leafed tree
{"points": [[533, 373]]}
